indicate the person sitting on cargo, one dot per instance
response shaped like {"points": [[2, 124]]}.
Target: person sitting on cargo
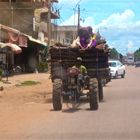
{"points": [[83, 39], [87, 39]]}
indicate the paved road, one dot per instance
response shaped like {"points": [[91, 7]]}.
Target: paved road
{"points": [[118, 118]]}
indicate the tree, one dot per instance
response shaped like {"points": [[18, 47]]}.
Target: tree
{"points": [[121, 57], [137, 54], [114, 54]]}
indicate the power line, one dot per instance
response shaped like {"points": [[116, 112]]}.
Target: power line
{"points": [[77, 3], [61, 19]]}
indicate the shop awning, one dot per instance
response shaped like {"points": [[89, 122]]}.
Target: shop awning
{"points": [[35, 42], [6, 28], [18, 39], [15, 48]]}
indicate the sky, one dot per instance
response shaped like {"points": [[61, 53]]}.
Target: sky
{"points": [[117, 20]]}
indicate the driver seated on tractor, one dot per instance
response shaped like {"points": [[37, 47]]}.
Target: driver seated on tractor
{"points": [[82, 76]]}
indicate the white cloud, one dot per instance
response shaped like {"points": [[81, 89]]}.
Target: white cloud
{"points": [[70, 2], [73, 20], [120, 29], [118, 20], [88, 21], [130, 44]]}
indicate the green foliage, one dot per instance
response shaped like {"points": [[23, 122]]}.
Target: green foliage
{"points": [[114, 54], [42, 66], [137, 54], [28, 83]]}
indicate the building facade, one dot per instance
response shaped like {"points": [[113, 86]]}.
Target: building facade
{"points": [[28, 16], [66, 34]]}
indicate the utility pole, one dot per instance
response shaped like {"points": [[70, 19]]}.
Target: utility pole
{"points": [[49, 22], [12, 13], [78, 26], [49, 31]]}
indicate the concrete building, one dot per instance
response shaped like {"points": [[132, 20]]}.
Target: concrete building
{"points": [[19, 49], [28, 16], [66, 34]]}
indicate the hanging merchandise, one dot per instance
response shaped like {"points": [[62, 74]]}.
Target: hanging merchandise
{"points": [[15, 48], [13, 37], [23, 41]]}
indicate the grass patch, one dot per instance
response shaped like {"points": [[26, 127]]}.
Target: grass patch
{"points": [[28, 83]]}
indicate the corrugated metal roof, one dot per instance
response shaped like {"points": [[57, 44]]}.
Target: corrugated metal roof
{"points": [[9, 29], [6, 28]]}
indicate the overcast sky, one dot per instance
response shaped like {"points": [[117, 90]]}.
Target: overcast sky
{"points": [[117, 20]]}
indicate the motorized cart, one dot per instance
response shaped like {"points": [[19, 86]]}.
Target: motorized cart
{"points": [[65, 79]]}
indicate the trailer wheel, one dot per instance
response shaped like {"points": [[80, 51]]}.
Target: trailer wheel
{"points": [[57, 98], [116, 75], [93, 93], [123, 75], [100, 89], [65, 98]]}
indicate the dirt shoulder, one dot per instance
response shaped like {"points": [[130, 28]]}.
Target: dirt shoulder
{"points": [[24, 94], [21, 104]]}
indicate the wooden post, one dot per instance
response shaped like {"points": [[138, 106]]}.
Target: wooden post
{"points": [[49, 22], [49, 30], [78, 26]]}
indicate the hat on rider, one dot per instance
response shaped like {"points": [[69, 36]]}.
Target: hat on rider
{"points": [[79, 59]]}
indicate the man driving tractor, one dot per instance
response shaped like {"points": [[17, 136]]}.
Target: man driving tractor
{"points": [[82, 76]]}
